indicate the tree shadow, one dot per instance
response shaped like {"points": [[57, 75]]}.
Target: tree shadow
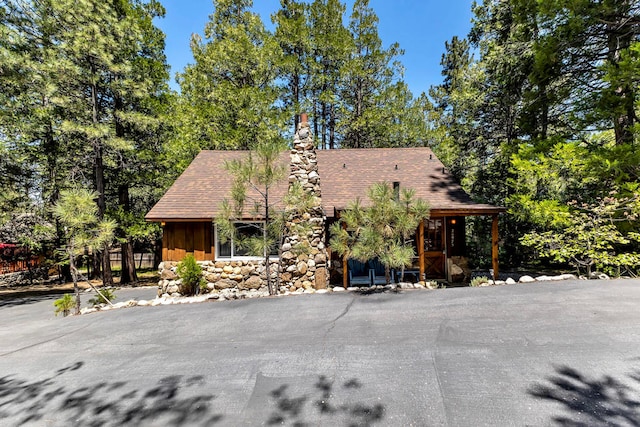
{"points": [[325, 400], [592, 401], [105, 403], [30, 297]]}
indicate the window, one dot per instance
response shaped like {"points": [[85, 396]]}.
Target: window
{"points": [[244, 230]]}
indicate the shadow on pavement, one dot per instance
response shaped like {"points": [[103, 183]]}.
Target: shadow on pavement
{"points": [[175, 400], [105, 403], [326, 401], [592, 401], [30, 297]]}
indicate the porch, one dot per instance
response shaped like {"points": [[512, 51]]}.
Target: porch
{"points": [[440, 246]]}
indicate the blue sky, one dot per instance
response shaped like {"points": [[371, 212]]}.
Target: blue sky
{"points": [[420, 26]]}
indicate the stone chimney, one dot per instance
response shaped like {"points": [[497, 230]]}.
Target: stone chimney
{"points": [[304, 255]]}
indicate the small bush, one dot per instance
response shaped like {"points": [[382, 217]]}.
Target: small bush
{"points": [[100, 299], [478, 281], [191, 274], [64, 305]]}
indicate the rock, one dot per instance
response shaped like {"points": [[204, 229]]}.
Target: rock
{"points": [[253, 282], [143, 302], [286, 247], [302, 267], [568, 277], [526, 279], [353, 288], [212, 277], [543, 278], [320, 259], [322, 291], [321, 278], [307, 284], [227, 269], [338, 289], [287, 255], [220, 264], [224, 284], [171, 289], [405, 285], [246, 270], [168, 275], [457, 273], [510, 281]]}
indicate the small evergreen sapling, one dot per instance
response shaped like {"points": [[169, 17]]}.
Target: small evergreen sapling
{"points": [[191, 274], [64, 305]]}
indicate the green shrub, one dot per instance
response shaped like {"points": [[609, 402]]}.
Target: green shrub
{"points": [[478, 281], [100, 299], [191, 274], [64, 305]]}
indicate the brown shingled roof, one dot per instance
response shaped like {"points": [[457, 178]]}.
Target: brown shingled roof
{"points": [[344, 175]]}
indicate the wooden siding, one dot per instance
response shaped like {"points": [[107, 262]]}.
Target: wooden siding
{"points": [[181, 238]]}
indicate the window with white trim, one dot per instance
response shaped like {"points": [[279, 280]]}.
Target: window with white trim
{"points": [[232, 250]]}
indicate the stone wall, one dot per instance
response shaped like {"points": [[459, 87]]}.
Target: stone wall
{"points": [[228, 277], [24, 278], [304, 256]]}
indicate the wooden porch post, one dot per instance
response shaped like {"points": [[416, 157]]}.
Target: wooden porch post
{"points": [[345, 266], [494, 246], [421, 249]]}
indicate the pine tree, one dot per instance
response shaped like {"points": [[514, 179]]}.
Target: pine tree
{"points": [[329, 50], [380, 229], [228, 96]]}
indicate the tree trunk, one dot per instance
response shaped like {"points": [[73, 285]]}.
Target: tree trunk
{"points": [[128, 274], [128, 267], [107, 277], [74, 274], [620, 35]]}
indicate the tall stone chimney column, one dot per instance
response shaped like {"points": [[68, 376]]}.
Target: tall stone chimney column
{"points": [[304, 255]]}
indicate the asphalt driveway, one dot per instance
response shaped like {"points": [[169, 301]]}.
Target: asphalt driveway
{"points": [[561, 353]]}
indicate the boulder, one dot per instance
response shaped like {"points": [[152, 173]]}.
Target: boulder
{"points": [[526, 279], [225, 284], [321, 278], [302, 267], [212, 277], [168, 275], [510, 281], [253, 282]]}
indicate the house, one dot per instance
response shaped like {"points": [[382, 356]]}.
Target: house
{"points": [[188, 210]]}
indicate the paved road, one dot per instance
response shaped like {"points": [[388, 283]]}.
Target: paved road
{"points": [[564, 353]]}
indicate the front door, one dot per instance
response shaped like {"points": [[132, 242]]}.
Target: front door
{"points": [[434, 248]]}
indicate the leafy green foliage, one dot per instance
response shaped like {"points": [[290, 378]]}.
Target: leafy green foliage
{"points": [[594, 237], [254, 176], [78, 216], [64, 305], [190, 273], [545, 113], [105, 296], [380, 229], [479, 281]]}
